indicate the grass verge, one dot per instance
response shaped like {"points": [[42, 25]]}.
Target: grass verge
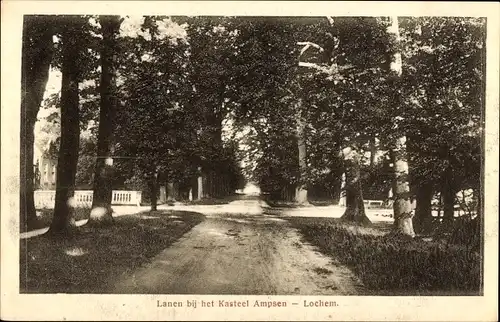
{"points": [[92, 259], [213, 201], [44, 217], [293, 204], [394, 265]]}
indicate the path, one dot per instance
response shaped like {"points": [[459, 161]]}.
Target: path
{"points": [[240, 250]]}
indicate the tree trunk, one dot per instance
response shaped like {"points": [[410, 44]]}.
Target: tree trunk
{"points": [[101, 213], [63, 220], [153, 187], [199, 189], [355, 208], [171, 194], [211, 177], [403, 213], [301, 189], [37, 52], [373, 152], [423, 212], [449, 205], [224, 189]]}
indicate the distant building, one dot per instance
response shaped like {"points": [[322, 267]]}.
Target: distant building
{"points": [[45, 164]]}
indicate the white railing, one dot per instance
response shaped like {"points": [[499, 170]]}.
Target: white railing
{"points": [[44, 198], [83, 198], [373, 203]]}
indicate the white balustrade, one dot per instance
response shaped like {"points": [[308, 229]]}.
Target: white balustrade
{"points": [[373, 203], [83, 198], [44, 199]]}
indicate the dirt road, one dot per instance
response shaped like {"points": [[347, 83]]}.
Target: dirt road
{"points": [[241, 253]]}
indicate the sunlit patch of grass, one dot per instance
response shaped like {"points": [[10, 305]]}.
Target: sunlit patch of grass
{"points": [[91, 259], [76, 251], [391, 265]]}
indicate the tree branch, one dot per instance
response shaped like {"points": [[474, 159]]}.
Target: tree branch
{"points": [[334, 69], [308, 44], [315, 66]]}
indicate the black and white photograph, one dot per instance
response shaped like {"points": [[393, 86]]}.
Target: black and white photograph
{"points": [[291, 161]]}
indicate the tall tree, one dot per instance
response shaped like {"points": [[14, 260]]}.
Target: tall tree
{"points": [[343, 101], [443, 84], [71, 33], [37, 52], [155, 125], [212, 55], [355, 208], [101, 204], [301, 189], [403, 212]]}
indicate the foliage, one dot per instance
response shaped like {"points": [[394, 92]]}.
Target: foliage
{"points": [[181, 77], [377, 180], [349, 98], [168, 68], [444, 86], [152, 125], [86, 163]]}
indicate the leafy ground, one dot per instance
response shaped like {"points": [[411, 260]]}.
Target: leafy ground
{"points": [[390, 265], [86, 262]]}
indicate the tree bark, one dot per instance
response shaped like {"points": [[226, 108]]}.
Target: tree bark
{"points": [[403, 212], [37, 52], [63, 220], [423, 212], [301, 189], [101, 213], [355, 208]]}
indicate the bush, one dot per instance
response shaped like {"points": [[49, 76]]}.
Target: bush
{"points": [[467, 231], [397, 264]]}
